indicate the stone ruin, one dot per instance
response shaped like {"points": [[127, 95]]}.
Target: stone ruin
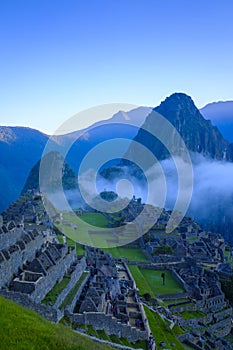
{"points": [[109, 300], [203, 287], [30, 262], [40, 275]]}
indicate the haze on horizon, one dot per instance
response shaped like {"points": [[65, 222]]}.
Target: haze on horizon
{"points": [[58, 58]]}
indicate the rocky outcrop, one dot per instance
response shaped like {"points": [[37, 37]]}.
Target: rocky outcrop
{"points": [[52, 163], [199, 134]]}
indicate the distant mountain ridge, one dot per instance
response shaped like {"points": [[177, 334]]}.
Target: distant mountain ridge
{"points": [[221, 114], [21, 148]]}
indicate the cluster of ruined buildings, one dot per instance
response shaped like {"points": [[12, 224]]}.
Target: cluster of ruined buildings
{"points": [[110, 300], [32, 262], [101, 291]]}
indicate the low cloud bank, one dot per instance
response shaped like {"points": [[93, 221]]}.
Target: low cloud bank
{"points": [[212, 196]]}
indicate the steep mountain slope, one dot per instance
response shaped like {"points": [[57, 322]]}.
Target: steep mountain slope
{"points": [[24, 329], [198, 133], [212, 159], [20, 148], [221, 115], [52, 161]]}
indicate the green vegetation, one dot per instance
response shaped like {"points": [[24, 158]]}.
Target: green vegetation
{"points": [[191, 303], [175, 301], [82, 231], [94, 229], [227, 288], [229, 338], [51, 297], [23, 329], [188, 315], [70, 296], [161, 331], [150, 281], [227, 255], [71, 243], [60, 239], [95, 219], [133, 254], [162, 250], [192, 239]]}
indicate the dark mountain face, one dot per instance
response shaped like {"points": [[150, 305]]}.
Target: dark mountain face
{"points": [[199, 135], [52, 162], [221, 115], [213, 196], [20, 149]]}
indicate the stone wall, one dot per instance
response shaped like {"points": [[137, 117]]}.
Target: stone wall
{"points": [[110, 324], [194, 321], [23, 299], [223, 314], [80, 267], [41, 286], [218, 324], [221, 328], [211, 304], [70, 308], [54, 275], [14, 260], [10, 237], [184, 308], [174, 296], [133, 285], [101, 341], [157, 266], [180, 280]]}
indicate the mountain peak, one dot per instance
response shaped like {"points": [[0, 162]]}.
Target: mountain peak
{"points": [[199, 135], [179, 96], [176, 102]]}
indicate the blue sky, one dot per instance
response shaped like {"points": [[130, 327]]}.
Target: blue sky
{"points": [[59, 57]]}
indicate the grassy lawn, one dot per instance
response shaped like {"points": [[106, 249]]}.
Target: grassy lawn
{"points": [[96, 219], [150, 281], [161, 331], [134, 254], [188, 315], [69, 298], [22, 329], [51, 297], [83, 222], [92, 229]]}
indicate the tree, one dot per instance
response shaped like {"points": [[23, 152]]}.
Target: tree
{"points": [[147, 296], [227, 288]]}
